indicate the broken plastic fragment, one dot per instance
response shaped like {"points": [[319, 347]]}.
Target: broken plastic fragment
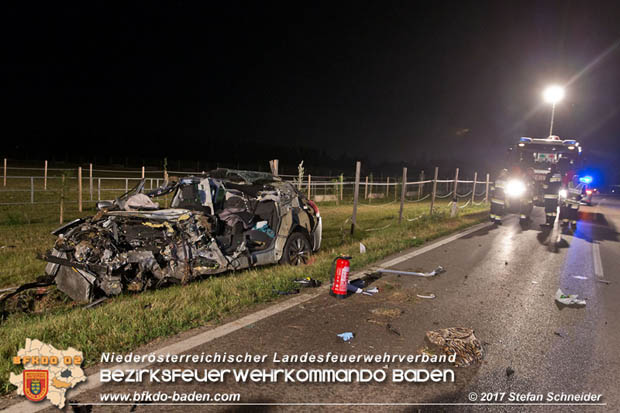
{"points": [[429, 296], [371, 291], [346, 336], [362, 248], [433, 273], [570, 299]]}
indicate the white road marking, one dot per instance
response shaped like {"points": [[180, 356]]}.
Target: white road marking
{"points": [[432, 246], [596, 259], [93, 381]]}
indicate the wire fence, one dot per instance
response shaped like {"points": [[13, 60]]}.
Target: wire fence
{"points": [[64, 193]]}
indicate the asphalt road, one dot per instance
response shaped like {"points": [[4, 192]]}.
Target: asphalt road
{"points": [[500, 281]]}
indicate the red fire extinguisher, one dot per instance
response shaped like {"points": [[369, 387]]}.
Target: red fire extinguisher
{"points": [[340, 277]]}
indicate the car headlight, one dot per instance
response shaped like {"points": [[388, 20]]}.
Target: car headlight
{"points": [[563, 193], [515, 188]]}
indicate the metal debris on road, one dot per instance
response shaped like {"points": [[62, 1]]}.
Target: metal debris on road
{"points": [[433, 273], [570, 299], [392, 330], [346, 336], [370, 291], [455, 340], [603, 281], [580, 277], [429, 296]]}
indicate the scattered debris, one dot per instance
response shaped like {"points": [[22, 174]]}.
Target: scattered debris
{"points": [[506, 263], [509, 371], [570, 299], [373, 321], [433, 273], [603, 281], [392, 329], [459, 340], [387, 312], [580, 277], [353, 287], [346, 336], [429, 296], [534, 282], [557, 333], [95, 303], [362, 248], [307, 282], [370, 291]]}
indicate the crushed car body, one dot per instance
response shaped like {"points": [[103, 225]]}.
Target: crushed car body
{"points": [[220, 221]]}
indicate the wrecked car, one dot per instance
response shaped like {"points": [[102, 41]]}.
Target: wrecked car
{"points": [[220, 221]]}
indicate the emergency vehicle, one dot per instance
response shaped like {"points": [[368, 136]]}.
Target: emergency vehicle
{"points": [[542, 172]]}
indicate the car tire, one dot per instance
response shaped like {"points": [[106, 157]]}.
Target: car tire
{"points": [[297, 250]]}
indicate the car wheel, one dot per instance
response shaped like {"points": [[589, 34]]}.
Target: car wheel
{"points": [[297, 250]]}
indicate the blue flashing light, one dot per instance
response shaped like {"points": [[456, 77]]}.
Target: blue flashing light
{"points": [[524, 139], [586, 179]]}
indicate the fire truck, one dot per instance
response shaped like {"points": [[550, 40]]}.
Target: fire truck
{"points": [[542, 172]]}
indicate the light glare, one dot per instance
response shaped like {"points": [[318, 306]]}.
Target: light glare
{"points": [[553, 94]]}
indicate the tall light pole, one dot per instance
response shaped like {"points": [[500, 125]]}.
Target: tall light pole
{"points": [[553, 94]]}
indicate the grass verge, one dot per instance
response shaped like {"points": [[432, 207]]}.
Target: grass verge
{"points": [[129, 321]]}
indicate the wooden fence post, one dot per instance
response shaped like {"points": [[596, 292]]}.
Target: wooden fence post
{"points": [[4, 171], [434, 189], [387, 188], [420, 192], [62, 197], [366, 188], [142, 172], [45, 178], [341, 186], [455, 199], [473, 189], [98, 189], [402, 195], [395, 188], [80, 189], [356, 192], [309, 182], [90, 180], [32, 189], [126, 185], [486, 191]]}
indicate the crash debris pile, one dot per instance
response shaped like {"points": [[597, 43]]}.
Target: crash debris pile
{"points": [[459, 340], [224, 221]]}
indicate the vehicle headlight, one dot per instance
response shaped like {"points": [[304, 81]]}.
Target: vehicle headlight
{"points": [[515, 188], [563, 193]]}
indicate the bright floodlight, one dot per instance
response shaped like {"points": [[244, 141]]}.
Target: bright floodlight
{"points": [[553, 94]]}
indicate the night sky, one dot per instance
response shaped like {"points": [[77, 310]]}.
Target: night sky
{"points": [[386, 81]]}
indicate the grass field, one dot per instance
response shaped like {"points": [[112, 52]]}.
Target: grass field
{"points": [[128, 321]]}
